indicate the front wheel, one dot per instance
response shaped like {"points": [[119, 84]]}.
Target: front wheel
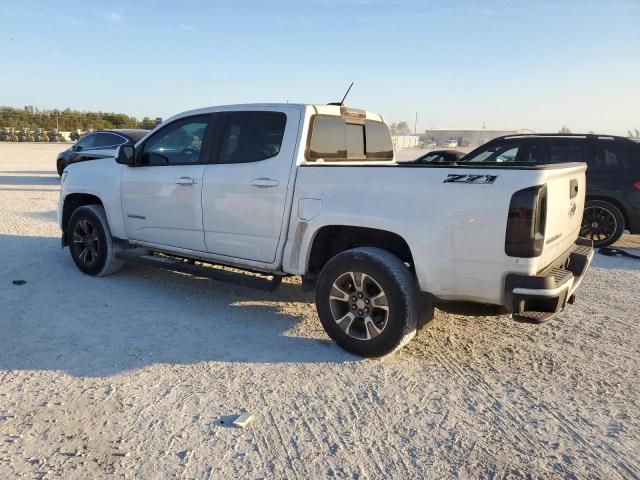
{"points": [[367, 301], [89, 237], [602, 222]]}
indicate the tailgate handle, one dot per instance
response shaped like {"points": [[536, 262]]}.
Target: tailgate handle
{"points": [[573, 190]]}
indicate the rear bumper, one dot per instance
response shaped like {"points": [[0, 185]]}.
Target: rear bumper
{"points": [[538, 297]]}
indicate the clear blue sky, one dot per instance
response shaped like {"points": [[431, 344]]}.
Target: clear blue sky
{"points": [[530, 64]]}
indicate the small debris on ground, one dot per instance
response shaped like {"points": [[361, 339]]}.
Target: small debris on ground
{"points": [[19, 282], [243, 420]]}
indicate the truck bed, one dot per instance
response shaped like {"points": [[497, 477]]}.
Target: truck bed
{"points": [[453, 217]]}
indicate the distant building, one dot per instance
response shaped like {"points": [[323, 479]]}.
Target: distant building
{"points": [[466, 137], [401, 142]]}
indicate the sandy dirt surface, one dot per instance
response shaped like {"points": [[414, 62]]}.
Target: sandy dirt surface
{"points": [[138, 375]]}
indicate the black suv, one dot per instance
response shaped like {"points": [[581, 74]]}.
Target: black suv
{"points": [[613, 175]]}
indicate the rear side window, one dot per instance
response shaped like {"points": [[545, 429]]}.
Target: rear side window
{"points": [[88, 141], [252, 136], [605, 157], [108, 140], [559, 152], [333, 139]]}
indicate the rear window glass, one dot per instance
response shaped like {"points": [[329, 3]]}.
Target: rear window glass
{"points": [[252, 136], [333, 139]]}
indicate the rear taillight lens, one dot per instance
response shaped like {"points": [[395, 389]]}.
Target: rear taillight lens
{"points": [[637, 185], [526, 222]]}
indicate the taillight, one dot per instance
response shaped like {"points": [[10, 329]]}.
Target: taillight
{"points": [[637, 185], [526, 222]]}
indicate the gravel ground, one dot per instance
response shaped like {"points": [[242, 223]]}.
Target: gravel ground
{"points": [[140, 374]]}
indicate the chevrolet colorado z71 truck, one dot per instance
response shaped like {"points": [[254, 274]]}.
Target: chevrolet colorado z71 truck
{"points": [[312, 190]]}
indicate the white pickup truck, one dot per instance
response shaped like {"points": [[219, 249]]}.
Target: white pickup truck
{"points": [[313, 190]]}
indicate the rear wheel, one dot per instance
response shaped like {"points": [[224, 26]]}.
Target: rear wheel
{"points": [[367, 301], [602, 222], [92, 248]]}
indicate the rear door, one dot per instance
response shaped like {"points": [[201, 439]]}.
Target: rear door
{"points": [[161, 194], [245, 189]]}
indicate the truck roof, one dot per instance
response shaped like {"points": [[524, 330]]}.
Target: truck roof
{"points": [[320, 109]]}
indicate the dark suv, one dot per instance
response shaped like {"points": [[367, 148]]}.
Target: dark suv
{"points": [[613, 175]]}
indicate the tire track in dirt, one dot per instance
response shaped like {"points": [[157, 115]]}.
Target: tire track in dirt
{"points": [[473, 382], [582, 433]]}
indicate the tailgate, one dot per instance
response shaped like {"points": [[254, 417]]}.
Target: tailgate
{"points": [[566, 188]]}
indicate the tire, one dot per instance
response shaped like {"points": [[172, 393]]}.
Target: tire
{"points": [[96, 256], [602, 222], [367, 329]]}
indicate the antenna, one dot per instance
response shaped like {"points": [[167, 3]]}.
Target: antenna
{"points": [[345, 95], [341, 103]]}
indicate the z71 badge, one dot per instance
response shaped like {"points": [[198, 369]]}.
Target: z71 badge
{"points": [[468, 178]]}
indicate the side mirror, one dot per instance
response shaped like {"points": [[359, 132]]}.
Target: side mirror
{"points": [[77, 148], [125, 155]]}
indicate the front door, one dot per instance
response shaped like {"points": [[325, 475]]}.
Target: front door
{"points": [[161, 193], [245, 189]]}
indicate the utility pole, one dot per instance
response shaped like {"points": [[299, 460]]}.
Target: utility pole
{"points": [[415, 125]]}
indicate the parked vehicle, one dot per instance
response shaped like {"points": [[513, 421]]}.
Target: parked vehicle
{"points": [[98, 144], [613, 175], [284, 189], [440, 156]]}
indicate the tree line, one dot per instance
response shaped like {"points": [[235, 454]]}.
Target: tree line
{"points": [[68, 120]]}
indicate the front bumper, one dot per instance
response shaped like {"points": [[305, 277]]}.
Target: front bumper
{"points": [[536, 298]]}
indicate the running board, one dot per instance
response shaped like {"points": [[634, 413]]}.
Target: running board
{"points": [[187, 266]]}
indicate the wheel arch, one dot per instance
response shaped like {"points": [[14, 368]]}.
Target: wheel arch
{"points": [[330, 240], [72, 202]]}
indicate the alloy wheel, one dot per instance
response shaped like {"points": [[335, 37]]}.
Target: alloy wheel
{"points": [[86, 242], [598, 224], [359, 305]]}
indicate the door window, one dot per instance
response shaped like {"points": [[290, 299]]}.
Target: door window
{"points": [[566, 153], [179, 143], [252, 136]]}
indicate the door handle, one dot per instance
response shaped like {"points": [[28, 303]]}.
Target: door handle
{"points": [[186, 181], [265, 182]]}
